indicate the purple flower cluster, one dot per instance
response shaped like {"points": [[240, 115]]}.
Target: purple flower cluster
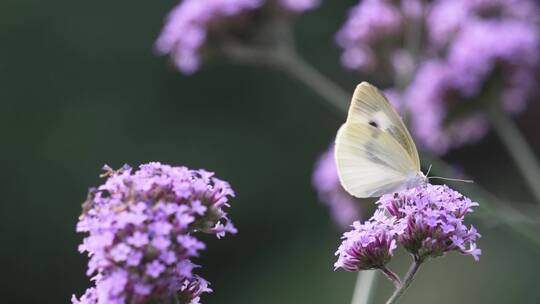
{"points": [[427, 221], [188, 24], [371, 25], [426, 99], [140, 229], [432, 217], [369, 245], [344, 208], [491, 50], [192, 24], [475, 54]]}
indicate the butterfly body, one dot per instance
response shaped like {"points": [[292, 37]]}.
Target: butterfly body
{"points": [[415, 179], [374, 151]]}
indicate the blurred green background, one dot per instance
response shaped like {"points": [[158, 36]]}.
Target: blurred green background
{"points": [[82, 87]]}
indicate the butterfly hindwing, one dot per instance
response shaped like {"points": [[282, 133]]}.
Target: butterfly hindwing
{"points": [[369, 106], [369, 161]]}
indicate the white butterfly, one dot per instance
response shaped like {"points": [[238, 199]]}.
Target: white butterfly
{"points": [[374, 151]]}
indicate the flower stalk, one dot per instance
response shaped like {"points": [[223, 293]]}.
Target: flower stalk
{"points": [[517, 147], [409, 277], [392, 276], [363, 289]]}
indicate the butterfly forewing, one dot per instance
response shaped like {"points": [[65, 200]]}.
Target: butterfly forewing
{"points": [[369, 106]]}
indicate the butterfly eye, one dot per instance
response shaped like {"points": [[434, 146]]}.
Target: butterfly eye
{"points": [[373, 124]]}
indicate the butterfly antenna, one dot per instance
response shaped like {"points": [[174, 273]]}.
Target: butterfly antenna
{"points": [[428, 170], [452, 179]]}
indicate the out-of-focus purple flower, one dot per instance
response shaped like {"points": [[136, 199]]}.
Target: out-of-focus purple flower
{"points": [[193, 24], [140, 229], [427, 99], [486, 52], [488, 56], [432, 217], [368, 23], [187, 28], [447, 17], [375, 27], [369, 245], [504, 49], [344, 208]]}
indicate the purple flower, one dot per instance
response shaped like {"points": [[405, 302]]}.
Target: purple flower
{"points": [[509, 50], [192, 288], [141, 232], [428, 221], [187, 26], [432, 217], [154, 269], [487, 56], [369, 245], [483, 53], [89, 297], [447, 17], [192, 24], [427, 101], [371, 27], [344, 208]]}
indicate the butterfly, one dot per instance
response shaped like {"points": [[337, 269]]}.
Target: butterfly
{"points": [[374, 152]]}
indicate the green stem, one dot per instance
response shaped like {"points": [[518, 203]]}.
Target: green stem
{"points": [[365, 284], [392, 276], [409, 277], [518, 148], [313, 79], [284, 58]]}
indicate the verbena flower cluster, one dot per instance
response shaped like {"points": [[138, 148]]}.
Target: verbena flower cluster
{"points": [[141, 232], [344, 208], [374, 26], [194, 24], [370, 244], [475, 54], [428, 221]]}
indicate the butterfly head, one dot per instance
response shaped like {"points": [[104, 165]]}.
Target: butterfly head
{"points": [[415, 179]]}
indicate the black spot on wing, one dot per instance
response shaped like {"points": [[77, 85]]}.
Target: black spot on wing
{"points": [[375, 133]]}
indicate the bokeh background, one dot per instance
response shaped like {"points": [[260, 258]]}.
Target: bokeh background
{"points": [[82, 87]]}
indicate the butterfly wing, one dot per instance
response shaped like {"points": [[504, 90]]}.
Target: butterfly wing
{"points": [[370, 162], [369, 106]]}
